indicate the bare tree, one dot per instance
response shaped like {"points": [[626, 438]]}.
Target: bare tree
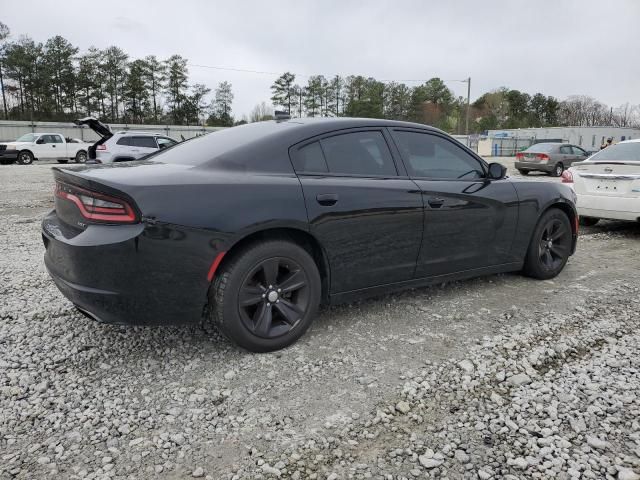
{"points": [[261, 112]]}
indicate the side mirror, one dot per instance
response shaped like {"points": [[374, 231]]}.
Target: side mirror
{"points": [[40, 141], [497, 171]]}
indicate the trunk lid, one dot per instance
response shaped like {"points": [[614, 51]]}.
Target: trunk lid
{"points": [[103, 131], [609, 178]]}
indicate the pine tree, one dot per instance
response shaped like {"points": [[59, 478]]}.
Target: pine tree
{"points": [[221, 106], [156, 76], [176, 86], [283, 93]]}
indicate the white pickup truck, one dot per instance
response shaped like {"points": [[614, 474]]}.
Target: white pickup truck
{"points": [[43, 146]]}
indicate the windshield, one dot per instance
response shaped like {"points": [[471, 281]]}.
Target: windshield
{"points": [[629, 152], [541, 148], [28, 137]]}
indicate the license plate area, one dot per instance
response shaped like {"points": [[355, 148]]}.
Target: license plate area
{"points": [[611, 186]]}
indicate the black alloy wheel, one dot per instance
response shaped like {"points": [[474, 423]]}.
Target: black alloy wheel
{"points": [[265, 295], [274, 297], [550, 245]]}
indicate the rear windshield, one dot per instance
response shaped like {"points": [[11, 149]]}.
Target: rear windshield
{"points": [[207, 147], [629, 152], [542, 148]]}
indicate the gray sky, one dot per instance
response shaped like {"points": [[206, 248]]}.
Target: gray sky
{"points": [[557, 47]]}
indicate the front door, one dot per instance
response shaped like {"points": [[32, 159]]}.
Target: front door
{"points": [[469, 221], [367, 216]]}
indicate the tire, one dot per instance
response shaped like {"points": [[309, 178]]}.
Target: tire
{"points": [[588, 221], [63, 161], [550, 245], [557, 170], [523, 172], [25, 157], [81, 157], [268, 319]]}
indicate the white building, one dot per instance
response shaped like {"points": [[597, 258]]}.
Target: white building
{"points": [[509, 141]]}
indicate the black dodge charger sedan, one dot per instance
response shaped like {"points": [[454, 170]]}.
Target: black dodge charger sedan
{"points": [[252, 227]]}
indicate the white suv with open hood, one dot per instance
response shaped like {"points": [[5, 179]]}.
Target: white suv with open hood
{"points": [[607, 184], [123, 146]]}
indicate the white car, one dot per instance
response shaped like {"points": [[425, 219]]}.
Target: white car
{"points": [[123, 146], [44, 146], [607, 184]]}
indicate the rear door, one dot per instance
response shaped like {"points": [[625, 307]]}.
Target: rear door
{"points": [[470, 221], [362, 208], [143, 145]]}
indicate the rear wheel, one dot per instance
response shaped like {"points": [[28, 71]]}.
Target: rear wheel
{"points": [[557, 170], [81, 157], [550, 245], [266, 296], [25, 157], [523, 172], [588, 221]]}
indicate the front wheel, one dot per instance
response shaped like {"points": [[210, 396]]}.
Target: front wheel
{"points": [[550, 245], [588, 221], [523, 172], [25, 158], [557, 170], [266, 296]]}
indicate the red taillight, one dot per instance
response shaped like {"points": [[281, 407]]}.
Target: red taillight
{"points": [[567, 177], [519, 156], [96, 206], [542, 156], [101, 147]]}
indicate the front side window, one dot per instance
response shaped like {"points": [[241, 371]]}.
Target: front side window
{"points": [[436, 157], [165, 142], [358, 153], [144, 142], [578, 151]]}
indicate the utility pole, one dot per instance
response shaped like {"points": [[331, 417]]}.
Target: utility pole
{"points": [[468, 80]]}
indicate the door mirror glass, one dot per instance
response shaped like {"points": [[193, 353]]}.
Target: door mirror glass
{"points": [[497, 171], [40, 141]]}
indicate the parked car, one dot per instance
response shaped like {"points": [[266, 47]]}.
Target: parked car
{"points": [[253, 226], [43, 146], [607, 185], [125, 145], [552, 158]]}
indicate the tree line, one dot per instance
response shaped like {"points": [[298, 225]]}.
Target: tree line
{"points": [[55, 81], [435, 104]]}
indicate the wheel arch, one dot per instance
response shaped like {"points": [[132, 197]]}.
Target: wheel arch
{"points": [[571, 212], [292, 234]]}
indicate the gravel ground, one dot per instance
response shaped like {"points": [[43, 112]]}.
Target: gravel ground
{"points": [[498, 377]]}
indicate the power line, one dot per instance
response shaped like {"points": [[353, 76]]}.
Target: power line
{"points": [[262, 72]]}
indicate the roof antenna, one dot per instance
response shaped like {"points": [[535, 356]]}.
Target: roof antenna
{"points": [[280, 115]]}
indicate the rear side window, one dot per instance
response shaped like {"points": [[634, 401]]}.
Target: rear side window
{"points": [[629, 152], [358, 153], [436, 157], [126, 141], [145, 142], [566, 150], [310, 159]]}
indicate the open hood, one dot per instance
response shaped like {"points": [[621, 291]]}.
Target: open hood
{"points": [[97, 126]]}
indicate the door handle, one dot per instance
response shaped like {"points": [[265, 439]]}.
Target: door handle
{"points": [[435, 202], [53, 146], [327, 199]]}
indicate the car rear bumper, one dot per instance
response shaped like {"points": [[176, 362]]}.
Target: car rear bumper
{"points": [[529, 166], [129, 274], [610, 207]]}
